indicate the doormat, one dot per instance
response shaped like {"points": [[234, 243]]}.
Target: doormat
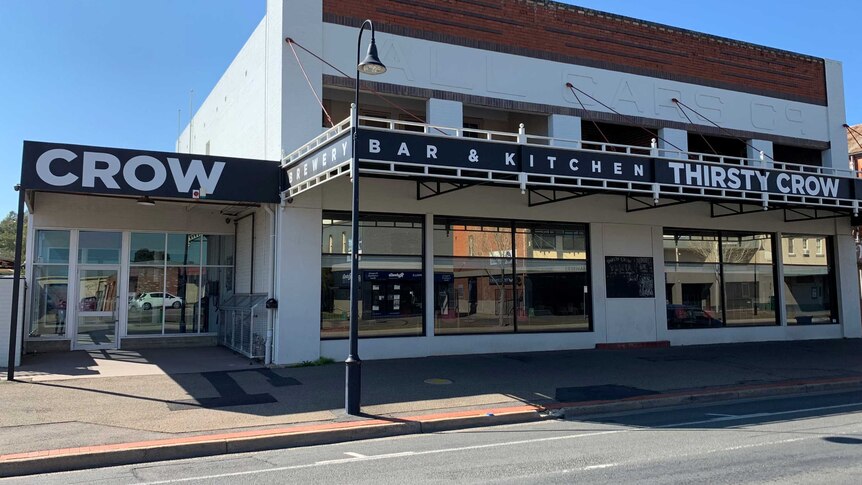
{"points": [[607, 392]]}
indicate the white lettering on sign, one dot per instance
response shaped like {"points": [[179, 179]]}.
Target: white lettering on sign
{"points": [[105, 174], [130, 173], [106, 167], [43, 167], [737, 178], [373, 145]]}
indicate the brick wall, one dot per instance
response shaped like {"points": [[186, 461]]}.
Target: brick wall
{"points": [[565, 33]]}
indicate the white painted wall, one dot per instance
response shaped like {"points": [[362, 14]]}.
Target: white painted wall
{"points": [[83, 212], [434, 65], [6, 287], [837, 154], [232, 118], [635, 234], [244, 244], [297, 333]]}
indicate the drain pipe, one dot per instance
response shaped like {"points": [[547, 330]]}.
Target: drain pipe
{"points": [[273, 261]]}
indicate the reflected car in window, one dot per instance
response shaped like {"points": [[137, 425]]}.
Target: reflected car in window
{"points": [[147, 301], [688, 316]]}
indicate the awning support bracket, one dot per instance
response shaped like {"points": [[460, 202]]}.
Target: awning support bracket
{"points": [[637, 204], [733, 209], [433, 189], [552, 196], [811, 215]]}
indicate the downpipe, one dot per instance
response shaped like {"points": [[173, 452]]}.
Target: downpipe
{"points": [[273, 261]]}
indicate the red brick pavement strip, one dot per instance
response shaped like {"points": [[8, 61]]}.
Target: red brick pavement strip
{"points": [[425, 423]]}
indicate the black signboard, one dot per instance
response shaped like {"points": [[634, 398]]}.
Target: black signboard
{"points": [[752, 179], [455, 152], [325, 157], [379, 145], [576, 163], [629, 277], [56, 167]]}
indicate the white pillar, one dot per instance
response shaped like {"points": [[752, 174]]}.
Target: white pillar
{"points": [[292, 112], [837, 155], [565, 131], [297, 331], [752, 152], [441, 112], [673, 140], [848, 285]]}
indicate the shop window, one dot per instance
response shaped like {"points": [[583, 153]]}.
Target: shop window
{"points": [[810, 295], [50, 285], [480, 288], [719, 279], [99, 247], [176, 282], [391, 272]]}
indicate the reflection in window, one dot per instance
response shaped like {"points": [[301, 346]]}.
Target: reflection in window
{"points": [[717, 279], [809, 285], [176, 282], [392, 288], [480, 288], [99, 247], [48, 300]]}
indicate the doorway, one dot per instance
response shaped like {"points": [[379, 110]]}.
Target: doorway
{"points": [[98, 307]]}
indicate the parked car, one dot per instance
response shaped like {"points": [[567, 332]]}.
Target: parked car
{"points": [[146, 301], [687, 316], [88, 304]]}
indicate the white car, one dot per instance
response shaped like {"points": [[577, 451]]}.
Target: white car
{"points": [[146, 301]]}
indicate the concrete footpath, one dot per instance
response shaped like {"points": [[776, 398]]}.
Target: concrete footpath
{"points": [[100, 408]]}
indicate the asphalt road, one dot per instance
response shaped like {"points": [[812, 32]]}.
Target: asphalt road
{"points": [[810, 439]]}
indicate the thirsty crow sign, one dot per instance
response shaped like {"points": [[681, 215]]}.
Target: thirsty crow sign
{"points": [[55, 167]]}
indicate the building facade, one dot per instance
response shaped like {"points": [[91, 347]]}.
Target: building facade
{"points": [[534, 176]]}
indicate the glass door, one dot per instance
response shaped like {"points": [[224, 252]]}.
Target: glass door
{"points": [[98, 298]]}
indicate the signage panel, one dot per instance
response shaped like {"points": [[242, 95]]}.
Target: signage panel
{"points": [[452, 152], [57, 167], [575, 163], [752, 179], [328, 156]]}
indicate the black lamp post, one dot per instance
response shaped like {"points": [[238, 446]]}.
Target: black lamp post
{"points": [[353, 365]]}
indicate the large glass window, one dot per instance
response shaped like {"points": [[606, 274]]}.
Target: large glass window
{"points": [[809, 282], [392, 288], [717, 279], [480, 288], [176, 282], [48, 303]]}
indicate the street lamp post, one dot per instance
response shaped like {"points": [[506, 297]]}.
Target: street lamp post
{"points": [[353, 365]]}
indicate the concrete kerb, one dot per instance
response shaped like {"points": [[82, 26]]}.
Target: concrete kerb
{"points": [[50, 461]]}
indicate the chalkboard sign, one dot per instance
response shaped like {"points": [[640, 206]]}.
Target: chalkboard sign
{"points": [[629, 277]]}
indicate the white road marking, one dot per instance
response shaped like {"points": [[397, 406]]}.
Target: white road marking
{"points": [[759, 415], [523, 442], [597, 467], [354, 455], [387, 456], [543, 395]]}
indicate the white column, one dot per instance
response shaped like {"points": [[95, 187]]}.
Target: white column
{"points": [[837, 155], [673, 140], [441, 112], [565, 130], [848, 285], [292, 113], [297, 330], [752, 151]]}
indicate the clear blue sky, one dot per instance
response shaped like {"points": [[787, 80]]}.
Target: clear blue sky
{"points": [[114, 73]]}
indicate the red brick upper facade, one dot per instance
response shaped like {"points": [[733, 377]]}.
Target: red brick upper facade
{"points": [[565, 33]]}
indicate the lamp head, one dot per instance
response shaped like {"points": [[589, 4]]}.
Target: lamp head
{"points": [[146, 201], [371, 64]]}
